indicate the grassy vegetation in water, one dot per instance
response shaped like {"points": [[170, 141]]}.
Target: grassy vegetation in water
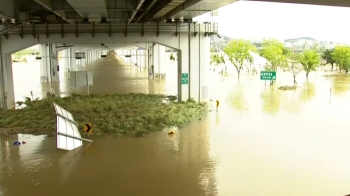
{"points": [[109, 114], [287, 88]]}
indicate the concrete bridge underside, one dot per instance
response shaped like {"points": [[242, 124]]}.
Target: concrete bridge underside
{"points": [[192, 45]]}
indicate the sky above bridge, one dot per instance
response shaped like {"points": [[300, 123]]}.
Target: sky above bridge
{"points": [[258, 20]]}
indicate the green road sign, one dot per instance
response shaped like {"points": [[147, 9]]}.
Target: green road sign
{"points": [[184, 78], [267, 75]]}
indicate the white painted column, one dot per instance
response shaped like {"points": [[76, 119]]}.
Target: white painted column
{"points": [[87, 56], [143, 58], [66, 58], [159, 59], [137, 58], [151, 61], [194, 59], [204, 67], [49, 63], [85, 60], [73, 61], [7, 93], [133, 57], [128, 52], [2, 90], [183, 66], [54, 69], [45, 63]]}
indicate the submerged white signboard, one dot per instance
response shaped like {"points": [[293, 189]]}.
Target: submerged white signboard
{"points": [[68, 135]]}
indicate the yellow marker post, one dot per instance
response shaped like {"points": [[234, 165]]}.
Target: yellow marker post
{"points": [[217, 105], [88, 128]]}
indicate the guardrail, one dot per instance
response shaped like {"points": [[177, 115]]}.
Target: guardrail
{"points": [[109, 28]]}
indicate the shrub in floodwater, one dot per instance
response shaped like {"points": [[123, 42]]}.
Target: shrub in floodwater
{"points": [[136, 114], [287, 88]]}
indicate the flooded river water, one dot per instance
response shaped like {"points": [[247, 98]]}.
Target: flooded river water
{"points": [[262, 142]]}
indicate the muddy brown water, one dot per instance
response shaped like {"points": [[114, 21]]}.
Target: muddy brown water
{"points": [[262, 142]]}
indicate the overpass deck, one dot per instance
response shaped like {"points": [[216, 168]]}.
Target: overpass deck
{"points": [[108, 28]]}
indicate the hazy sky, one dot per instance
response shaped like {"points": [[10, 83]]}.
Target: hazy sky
{"points": [[257, 20]]}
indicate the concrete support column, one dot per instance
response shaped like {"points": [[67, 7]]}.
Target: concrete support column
{"points": [[45, 63], [133, 55], [7, 93], [85, 60], [54, 69], [90, 56], [66, 58], [87, 56], [73, 61], [2, 84], [127, 59], [137, 56], [159, 59], [143, 58], [151, 61], [49, 63], [194, 59]]}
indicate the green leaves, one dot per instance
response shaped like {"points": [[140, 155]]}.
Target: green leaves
{"points": [[341, 56], [275, 53], [238, 52], [216, 59], [327, 56], [172, 57], [310, 59]]}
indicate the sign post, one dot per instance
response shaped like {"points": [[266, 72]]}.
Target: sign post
{"points": [[267, 75], [87, 128], [184, 78]]}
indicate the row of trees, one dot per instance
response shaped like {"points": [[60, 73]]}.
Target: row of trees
{"points": [[339, 56], [239, 54], [278, 56]]}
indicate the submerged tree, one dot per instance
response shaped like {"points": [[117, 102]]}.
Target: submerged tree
{"points": [[310, 59], [327, 57], [295, 68], [341, 56], [293, 65], [275, 53], [216, 59], [238, 52]]}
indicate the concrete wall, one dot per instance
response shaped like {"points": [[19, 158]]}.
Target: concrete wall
{"points": [[8, 7], [193, 56]]}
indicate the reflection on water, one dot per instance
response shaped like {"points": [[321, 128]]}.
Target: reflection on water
{"points": [[303, 148], [29, 156], [237, 99], [271, 100], [69, 161], [308, 91], [341, 83]]}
